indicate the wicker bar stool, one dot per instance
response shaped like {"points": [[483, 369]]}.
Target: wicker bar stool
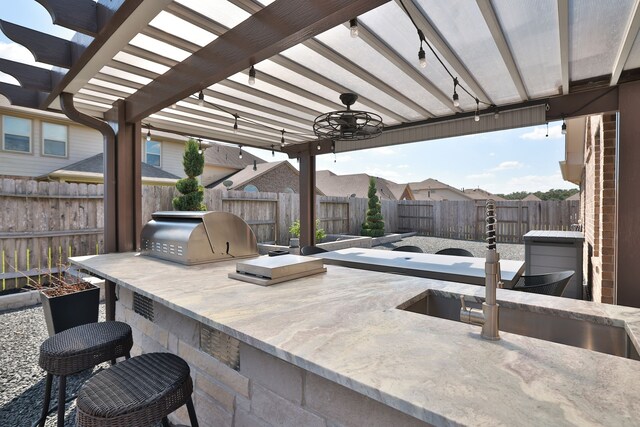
{"points": [[77, 349], [137, 392]]}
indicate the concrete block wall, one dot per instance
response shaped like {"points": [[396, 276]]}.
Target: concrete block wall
{"points": [[264, 392]]}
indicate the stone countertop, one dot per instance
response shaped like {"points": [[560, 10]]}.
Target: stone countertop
{"points": [[344, 325]]}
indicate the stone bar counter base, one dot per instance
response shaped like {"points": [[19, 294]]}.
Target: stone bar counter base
{"points": [[262, 391]]}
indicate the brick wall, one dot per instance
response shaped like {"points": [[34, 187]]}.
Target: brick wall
{"points": [[598, 205], [276, 180], [259, 390]]}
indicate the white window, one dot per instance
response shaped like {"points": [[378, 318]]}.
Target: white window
{"points": [[54, 139], [16, 134], [152, 153], [251, 188]]}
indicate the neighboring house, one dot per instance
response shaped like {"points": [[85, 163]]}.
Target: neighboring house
{"points": [[574, 197], [222, 161], [432, 189], [272, 177], [399, 191], [481, 195], [532, 198], [356, 185], [91, 171], [38, 144]]}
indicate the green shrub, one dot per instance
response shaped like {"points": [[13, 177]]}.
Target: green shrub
{"points": [[374, 225], [295, 230], [192, 192]]}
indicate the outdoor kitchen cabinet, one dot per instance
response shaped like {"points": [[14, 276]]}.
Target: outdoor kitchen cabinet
{"points": [[551, 251]]}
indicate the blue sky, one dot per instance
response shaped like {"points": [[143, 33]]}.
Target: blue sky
{"points": [[500, 162]]}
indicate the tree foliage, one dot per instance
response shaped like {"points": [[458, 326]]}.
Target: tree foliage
{"points": [[553, 194], [374, 224], [191, 191]]}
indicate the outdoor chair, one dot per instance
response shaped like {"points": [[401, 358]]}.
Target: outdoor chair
{"points": [[77, 349], [454, 251], [311, 250], [140, 391], [547, 284], [408, 248]]}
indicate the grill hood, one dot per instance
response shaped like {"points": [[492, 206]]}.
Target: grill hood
{"points": [[198, 237]]}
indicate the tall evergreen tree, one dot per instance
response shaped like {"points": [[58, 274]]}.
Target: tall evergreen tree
{"points": [[374, 225], [192, 192]]}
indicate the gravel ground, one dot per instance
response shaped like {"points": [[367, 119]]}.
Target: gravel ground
{"points": [[21, 379], [433, 244]]}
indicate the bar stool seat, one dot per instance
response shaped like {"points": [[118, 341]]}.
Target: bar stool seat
{"points": [[137, 392], [77, 349]]}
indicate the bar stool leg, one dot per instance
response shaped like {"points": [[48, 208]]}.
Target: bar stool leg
{"points": [[165, 422], [47, 399], [62, 385], [192, 413]]}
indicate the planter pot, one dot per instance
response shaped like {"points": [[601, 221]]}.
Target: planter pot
{"points": [[67, 311], [294, 242]]}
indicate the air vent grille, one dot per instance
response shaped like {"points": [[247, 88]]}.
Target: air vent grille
{"points": [[143, 306], [223, 347]]}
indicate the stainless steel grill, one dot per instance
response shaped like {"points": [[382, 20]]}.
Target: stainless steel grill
{"points": [[198, 237]]}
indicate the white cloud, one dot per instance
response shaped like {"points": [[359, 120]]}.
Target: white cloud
{"points": [[540, 132], [492, 154], [403, 167], [508, 165]]}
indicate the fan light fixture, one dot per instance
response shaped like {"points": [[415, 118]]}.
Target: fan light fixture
{"points": [[348, 125]]}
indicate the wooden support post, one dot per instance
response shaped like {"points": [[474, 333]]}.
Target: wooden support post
{"points": [[307, 199], [627, 230]]}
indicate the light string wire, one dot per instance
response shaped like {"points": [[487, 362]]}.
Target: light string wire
{"points": [[455, 79]]}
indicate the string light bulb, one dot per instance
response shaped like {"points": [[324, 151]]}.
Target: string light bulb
{"points": [[476, 117], [422, 57], [240, 153], [282, 143], [353, 28], [174, 105], [273, 153], [564, 127], [333, 150], [201, 99], [496, 114], [235, 123], [318, 147], [547, 134], [255, 166], [148, 133], [200, 146], [252, 76]]}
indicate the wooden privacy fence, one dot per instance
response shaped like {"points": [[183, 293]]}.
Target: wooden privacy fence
{"points": [[466, 219], [43, 223]]}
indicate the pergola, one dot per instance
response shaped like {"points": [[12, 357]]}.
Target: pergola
{"points": [[182, 66]]}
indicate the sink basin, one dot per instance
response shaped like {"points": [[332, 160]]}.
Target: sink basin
{"points": [[549, 327]]}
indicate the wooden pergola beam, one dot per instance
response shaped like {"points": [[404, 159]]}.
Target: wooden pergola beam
{"points": [[28, 76], [281, 25], [20, 96], [77, 15], [44, 47]]}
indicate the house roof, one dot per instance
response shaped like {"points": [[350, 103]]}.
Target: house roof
{"points": [[95, 165], [246, 175], [227, 156], [345, 185], [574, 197], [531, 198], [397, 189], [480, 194], [433, 184]]}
